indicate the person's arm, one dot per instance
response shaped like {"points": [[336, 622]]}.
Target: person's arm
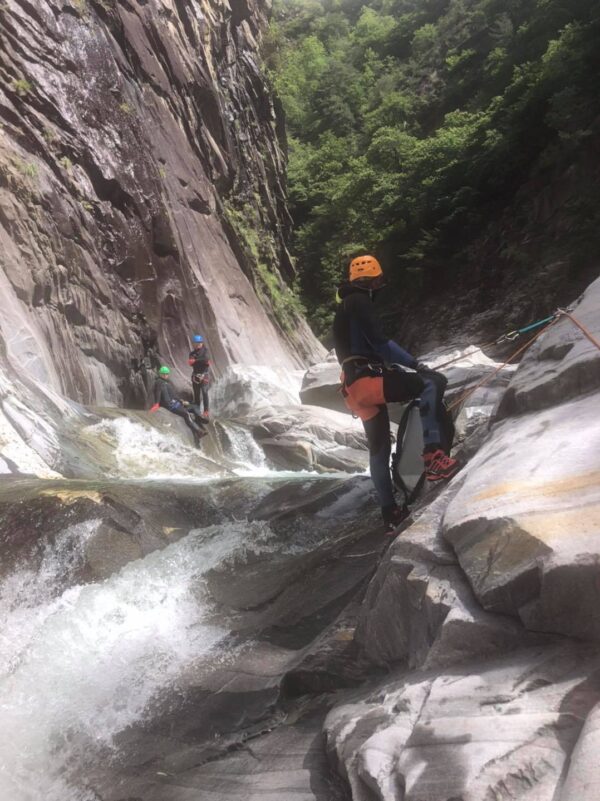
{"points": [[389, 350]]}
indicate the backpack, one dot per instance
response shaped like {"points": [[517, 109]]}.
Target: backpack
{"points": [[408, 475]]}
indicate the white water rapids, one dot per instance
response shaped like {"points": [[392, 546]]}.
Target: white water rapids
{"points": [[80, 665]]}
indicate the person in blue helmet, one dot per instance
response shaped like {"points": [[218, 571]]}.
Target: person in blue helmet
{"points": [[199, 361]]}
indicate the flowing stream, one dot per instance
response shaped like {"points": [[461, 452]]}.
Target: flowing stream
{"points": [[88, 658], [81, 663]]}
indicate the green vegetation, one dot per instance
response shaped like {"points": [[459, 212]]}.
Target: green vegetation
{"points": [[257, 242], [81, 7], [26, 168], [22, 86], [125, 108], [412, 125]]}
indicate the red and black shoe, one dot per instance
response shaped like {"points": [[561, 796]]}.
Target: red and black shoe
{"points": [[393, 517], [439, 466]]}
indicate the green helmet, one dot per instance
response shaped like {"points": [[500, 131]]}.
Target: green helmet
{"points": [[164, 371]]}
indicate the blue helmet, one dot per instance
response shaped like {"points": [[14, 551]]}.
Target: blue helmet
{"points": [[197, 338]]}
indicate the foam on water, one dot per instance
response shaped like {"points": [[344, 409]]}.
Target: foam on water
{"points": [[81, 665], [142, 451]]}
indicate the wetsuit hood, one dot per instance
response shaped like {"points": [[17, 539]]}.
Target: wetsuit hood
{"points": [[347, 288]]}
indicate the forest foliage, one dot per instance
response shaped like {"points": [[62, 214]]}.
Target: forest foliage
{"points": [[411, 123]]}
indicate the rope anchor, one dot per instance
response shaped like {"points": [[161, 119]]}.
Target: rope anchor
{"points": [[548, 322]]}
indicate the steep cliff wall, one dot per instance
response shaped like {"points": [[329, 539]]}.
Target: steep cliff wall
{"points": [[141, 193]]}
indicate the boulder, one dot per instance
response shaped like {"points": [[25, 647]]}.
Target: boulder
{"points": [[310, 438], [526, 522], [321, 386], [243, 389], [419, 609]]}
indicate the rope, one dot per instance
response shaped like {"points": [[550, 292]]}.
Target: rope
{"points": [[510, 335], [550, 321], [581, 327], [489, 377]]}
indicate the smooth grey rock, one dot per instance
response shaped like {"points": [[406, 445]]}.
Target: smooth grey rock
{"points": [[321, 387], [525, 523], [583, 779], [561, 365], [419, 609], [310, 438], [500, 729], [526, 520], [109, 550]]}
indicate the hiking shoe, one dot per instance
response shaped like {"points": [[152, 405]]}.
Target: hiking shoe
{"points": [[439, 466], [393, 517]]}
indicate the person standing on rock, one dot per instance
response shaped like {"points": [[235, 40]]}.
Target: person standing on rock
{"points": [[200, 364], [164, 396], [371, 379]]}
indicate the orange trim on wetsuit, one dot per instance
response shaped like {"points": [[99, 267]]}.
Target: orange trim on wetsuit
{"points": [[364, 396]]}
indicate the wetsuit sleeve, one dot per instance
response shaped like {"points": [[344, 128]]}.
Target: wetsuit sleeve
{"points": [[389, 350]]}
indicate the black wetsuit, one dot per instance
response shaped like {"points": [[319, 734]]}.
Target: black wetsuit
{"points": [[200, 363], [357, 333], [165, 397]]}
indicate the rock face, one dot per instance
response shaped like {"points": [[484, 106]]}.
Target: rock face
{"points": [[526, 522], [494, 730], [141, 194], [308, 438]]}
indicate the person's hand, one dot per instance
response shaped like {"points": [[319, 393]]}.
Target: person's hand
{"points": [[421, 367], [155, 408]]}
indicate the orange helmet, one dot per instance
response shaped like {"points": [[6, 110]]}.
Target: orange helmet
{"points": [[364, 267]]}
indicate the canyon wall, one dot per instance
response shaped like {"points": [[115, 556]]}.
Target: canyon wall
{"points": [[141, 195]]}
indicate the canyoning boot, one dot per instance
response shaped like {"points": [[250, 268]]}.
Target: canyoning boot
{"points": [[439, 466], [393, 517], [206, 415]]}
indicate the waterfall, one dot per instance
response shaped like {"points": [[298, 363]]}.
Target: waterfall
{"points": [[79, 665]]}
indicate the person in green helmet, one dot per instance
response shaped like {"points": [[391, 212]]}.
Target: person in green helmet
{"points": [[164, 396]]}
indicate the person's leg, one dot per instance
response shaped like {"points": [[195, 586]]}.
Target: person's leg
{"points": [[401, 387], [205, 397], [196, 391], [377, 430], [187, 418]]}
